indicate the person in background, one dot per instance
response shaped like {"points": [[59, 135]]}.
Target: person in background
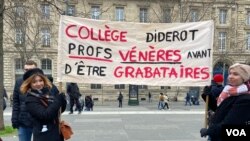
{"points": [[166, 101], [74, 94], [92, 103], [42, 105], [213, 91], [149, 97], [81, 99], [88, 103], [120, 98], [54, 89], [188, 99], [161, 102], [233, 110], [21, 119], [5, 97]]}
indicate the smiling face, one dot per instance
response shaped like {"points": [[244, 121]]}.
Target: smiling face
{"points": [[234, 78], [37, 83]]}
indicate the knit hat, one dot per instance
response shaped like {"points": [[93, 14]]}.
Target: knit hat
{"points": [[218, 78], [31, 72], [243, 70]]}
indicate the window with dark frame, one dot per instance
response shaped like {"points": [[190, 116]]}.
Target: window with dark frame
{"points": [[95, 12], [95, 86], [19, 36], [19, 67], [248, 41], [119, 14], [165, 87], [167, 15], [46, 66], [120, 86], [222, 40], [143, 87], [71, 10], [194, 15], [248, 17], [223, 16], [19, 10], [143, 15], [45, 11], [45, 36]]}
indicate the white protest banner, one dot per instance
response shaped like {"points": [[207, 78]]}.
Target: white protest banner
{"points": [[107, 52]]}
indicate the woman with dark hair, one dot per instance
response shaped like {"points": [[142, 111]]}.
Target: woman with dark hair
{"points": [[233, 110], [43, 106]]}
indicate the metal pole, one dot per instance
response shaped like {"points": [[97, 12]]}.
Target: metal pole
{"points": [[102, 94], [223, 70], [206, 112]]}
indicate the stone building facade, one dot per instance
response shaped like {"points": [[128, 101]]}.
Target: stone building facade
{"points": [[30, 32]]}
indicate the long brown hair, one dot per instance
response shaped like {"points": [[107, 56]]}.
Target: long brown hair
{"points": [[26, 85]]}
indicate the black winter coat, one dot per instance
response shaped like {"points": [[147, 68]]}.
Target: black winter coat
{"points": [[73, 91], [232, 111], [20, 116], [213, 93], [45, 115]]}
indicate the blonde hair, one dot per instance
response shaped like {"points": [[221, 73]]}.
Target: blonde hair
{"points": [[26, 85]]}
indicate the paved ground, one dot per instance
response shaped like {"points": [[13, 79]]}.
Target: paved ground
{"points": [[133, 123]]}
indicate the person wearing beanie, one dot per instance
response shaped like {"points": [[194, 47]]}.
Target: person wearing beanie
{"points": [[233, 89], [42, 106], [233, 109], [213, 91], [20, 118], [218, 78]]}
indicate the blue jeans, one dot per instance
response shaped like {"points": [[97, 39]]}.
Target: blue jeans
{"points": [[24, 133]]}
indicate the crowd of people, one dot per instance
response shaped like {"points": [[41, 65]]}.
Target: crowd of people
{"points": [[37, 103]]}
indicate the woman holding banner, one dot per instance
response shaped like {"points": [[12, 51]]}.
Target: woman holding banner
{"points": [[233, 112], [43, 106]]}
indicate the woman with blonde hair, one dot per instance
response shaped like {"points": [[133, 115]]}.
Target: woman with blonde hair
{"points": [[233, 110], [43, 106]]}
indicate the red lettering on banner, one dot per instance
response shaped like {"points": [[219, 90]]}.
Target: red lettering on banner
{"points": [[161, 72], [67, 31], [106, 35], [160, 55]]}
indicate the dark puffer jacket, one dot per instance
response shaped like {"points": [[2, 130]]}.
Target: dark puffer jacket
{"points": [[20, 116], [232, 111], [45, 116], [213, 93]]}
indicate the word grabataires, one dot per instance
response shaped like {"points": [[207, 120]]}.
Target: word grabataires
{"points": [[171, 36], [161, 72]]}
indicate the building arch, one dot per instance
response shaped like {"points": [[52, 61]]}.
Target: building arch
{"points": [[221, 67]]}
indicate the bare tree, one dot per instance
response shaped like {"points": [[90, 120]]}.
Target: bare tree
{"points": [[28, 24]]}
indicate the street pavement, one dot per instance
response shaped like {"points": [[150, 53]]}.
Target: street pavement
{"points": [[144, 122]]}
